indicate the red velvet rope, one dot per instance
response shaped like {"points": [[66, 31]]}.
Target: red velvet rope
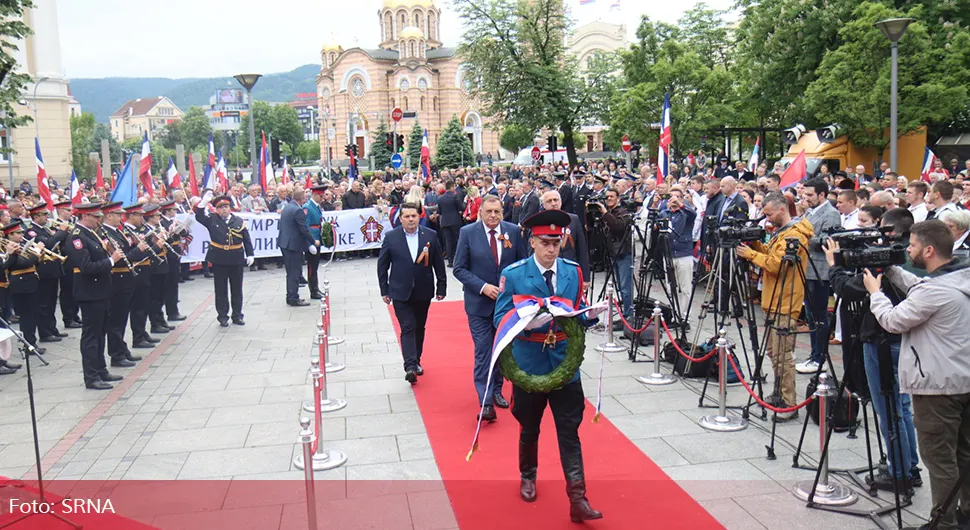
{"points": [[761, 402], [619, 310], [681, 352]]}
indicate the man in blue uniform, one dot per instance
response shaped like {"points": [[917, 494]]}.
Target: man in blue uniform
{"points": [[314, 218], [544, 275]]}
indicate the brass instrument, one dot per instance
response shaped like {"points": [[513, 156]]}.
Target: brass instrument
{"points": [[60, 224], [141, 239], [28, 246], [162, 236]]}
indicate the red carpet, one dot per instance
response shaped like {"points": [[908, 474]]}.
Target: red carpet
{"points": [[630, 490]]}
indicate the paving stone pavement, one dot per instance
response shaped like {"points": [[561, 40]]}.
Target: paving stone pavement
{"points": [[220, 404]]}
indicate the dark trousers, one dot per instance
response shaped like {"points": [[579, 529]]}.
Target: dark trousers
{"points": [[25, 304], [483, 335], [46, 306], [228, 277], [172, 290], [312, 264], [157, 300], [184, 270], [567, 406], [943, 432], [95, 315], [293, 262], [412, 315], [69, 309], [817, 302], [120, 307], [450, 235], [139, 309]]}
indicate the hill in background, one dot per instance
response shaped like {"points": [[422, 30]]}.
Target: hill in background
{"points": [[104, 96]]}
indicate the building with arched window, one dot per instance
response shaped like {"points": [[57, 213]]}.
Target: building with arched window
{"points": [[410, 69]]}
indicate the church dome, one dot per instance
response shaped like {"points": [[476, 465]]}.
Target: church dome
{"points": [[411, 32], [408, 3], [331, 46]]}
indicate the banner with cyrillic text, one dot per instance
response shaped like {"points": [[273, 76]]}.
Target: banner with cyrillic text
{"points": [[360, 229]]}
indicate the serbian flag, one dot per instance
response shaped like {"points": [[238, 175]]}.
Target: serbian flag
{"points": [[309, 180], [98, 177], [193, 182], [172, 179], [42, 186], [663, 151], [286, 171], [426, 158], [212, 152], [795, 172], [265, 166], [145, 167], [929, 162], [221, 173], [75, 189], [753, 161]]}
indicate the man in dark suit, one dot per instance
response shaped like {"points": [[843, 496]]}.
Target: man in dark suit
{"points": [[530, 200], [294, 238], [507, 202], [565, 191], [409, 253], [450, 211], [484, 249], [574, 241]]}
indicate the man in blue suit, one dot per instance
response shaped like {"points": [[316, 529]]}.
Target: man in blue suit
{"points": [[543, 275], [314, 218], [484, 249], [294, 238], [450, 208], [410, 272]]}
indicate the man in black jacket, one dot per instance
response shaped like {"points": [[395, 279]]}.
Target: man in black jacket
{"points": [[293, 239], [530, 200], [618, 221], [450, 211], [354, 198]]}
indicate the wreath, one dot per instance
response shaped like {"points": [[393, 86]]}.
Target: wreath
{"points": [[326, 234], [556, 379]]}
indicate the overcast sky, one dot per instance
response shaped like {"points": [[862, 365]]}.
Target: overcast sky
{"points": [[209, 38]]}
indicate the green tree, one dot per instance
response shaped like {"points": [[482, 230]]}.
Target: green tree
{"points": [[171, 134], [195, 129], [82, 143], [379, 150], [286, 125], [103, 132], [414, 145], [516, 137], [12, 31], [454, 149], [706, 32], [306, 151]]}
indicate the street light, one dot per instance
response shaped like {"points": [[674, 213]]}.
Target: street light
{"points": [[36, 124], [893, 29], [248, 81]]}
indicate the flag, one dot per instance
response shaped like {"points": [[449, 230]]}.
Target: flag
{"points": [[309, 181], [193, 182], [74, 192], [286, 172], [663, 151], [586, 2], [753, 161], [124, 190], [795, 172], [426, 158], [212, 152], [145, 168], [221, 173], [265, 166], [352, 170], [615, 4], [172, 179], [43, 188], [929, 162], [98, 177]]}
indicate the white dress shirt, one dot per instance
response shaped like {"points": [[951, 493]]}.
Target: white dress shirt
{"points": [[555, 274], [498, 234], [958, 242], [413, 243], [850, 221], [919, 212]]}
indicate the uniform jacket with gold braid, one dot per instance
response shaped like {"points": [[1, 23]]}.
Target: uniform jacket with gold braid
{"points": [[229, 241], [158, 267], [22, 271], [88, 253], [121, 275], [48, 267]]}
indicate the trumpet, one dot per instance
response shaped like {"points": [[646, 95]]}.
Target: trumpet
{"points": [[29, 246], [60, 224], [141, 239]]}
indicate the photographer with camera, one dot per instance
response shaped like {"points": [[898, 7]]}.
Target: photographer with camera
{"points": [[681, 217], [617, 220], [781, 301], [934, 357], [851, 288]]}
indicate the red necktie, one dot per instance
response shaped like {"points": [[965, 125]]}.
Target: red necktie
{"points": [[494, 244]]}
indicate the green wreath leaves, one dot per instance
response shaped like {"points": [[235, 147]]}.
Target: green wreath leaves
{"points": [[556, 379], [326, 234]]}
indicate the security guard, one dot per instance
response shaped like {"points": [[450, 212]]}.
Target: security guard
{"points": [[160, 270], [542, 275], [63, 226], [314, 218], [49, 270], [135, 228], [23, 282], [123, 276], [229, 249], [92, 290], [169, 209]]}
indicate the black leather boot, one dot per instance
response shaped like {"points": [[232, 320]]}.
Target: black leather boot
{"points": [[579, 508], [528, 464]]}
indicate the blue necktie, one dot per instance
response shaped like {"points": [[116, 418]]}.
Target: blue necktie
{"points": [[548, 277]]}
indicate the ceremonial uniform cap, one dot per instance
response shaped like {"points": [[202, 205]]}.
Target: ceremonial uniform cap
{"points": [[91, 208], [62, 204], [600, 178], [167, 205], [548, 224], [150, 209], [218, 201], [627, 176], [580, 172], [319, 189], [112, 207], [546, 184], [560, 175], [38, 208], [16, 226], [134, 209]]}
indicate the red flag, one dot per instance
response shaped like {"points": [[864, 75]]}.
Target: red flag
{"points": [[145, 167], [99, 178], [193, 182], [43, 189], [795, 172], [309, 180]]}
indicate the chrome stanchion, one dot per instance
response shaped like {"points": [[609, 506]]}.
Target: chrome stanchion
{"points": [[320, 387], [657, 378], [321, 460], [826, 492], [323, 342], [610, 346], [307, 438], [326, 318], [722, 422]]}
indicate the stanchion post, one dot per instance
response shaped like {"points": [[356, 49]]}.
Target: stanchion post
{"points": [[326, 318], [307, 438], [657, 378], [320, 387], [825, 492], [722, 422], [610, 346], [320, 460], [323, 342]]}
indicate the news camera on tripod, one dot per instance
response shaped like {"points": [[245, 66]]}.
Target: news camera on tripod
{"points": [[615, 222]]}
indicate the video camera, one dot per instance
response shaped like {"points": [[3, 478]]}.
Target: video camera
{"points": [[737, 231], [867, 248]]}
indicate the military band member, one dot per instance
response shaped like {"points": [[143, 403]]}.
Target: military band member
{"points": [[544, 275], [134, 227], [314, 218], [230, 248], [63, 225], [92, 290], [169, 209], [49, 270], [123, 276], [6, 367], [24, 281], [160, 269]]}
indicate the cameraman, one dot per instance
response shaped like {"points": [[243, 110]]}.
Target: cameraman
{"points": [[852, 288], [934, 357], [618, 221], [781, 301], [681, 215]]}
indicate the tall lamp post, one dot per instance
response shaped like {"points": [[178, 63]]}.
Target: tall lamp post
{"points": [[34, 101], [248, 81], [893, 29]]}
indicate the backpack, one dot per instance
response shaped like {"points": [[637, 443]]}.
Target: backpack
{"points": [[845, 417]]}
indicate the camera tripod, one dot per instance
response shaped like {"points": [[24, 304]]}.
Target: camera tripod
{"points": [[656, 262]]}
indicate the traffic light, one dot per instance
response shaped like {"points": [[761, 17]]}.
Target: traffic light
{"points": [[553, 142], [275, 151], [400, 143], [353, 150], [389, 139], [348, 149]]}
